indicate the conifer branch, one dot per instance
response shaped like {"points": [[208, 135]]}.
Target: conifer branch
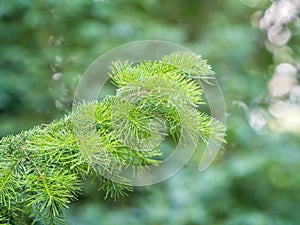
{"points": [[42, 170]]}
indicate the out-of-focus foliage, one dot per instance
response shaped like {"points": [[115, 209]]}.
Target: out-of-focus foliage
{"points": [[46, 46]]}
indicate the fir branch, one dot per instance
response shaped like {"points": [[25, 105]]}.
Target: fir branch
{"points": [[42, 170]]}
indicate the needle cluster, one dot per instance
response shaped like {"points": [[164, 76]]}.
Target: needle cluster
{"points": [[43, 169]]}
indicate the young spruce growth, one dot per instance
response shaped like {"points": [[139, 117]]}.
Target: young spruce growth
{"points": [[43, 169]]}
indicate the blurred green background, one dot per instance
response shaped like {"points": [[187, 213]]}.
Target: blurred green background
{"points": [[46, 46]]}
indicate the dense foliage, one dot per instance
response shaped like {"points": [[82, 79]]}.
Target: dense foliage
{"points": [[42, 169], [46, 45]]}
